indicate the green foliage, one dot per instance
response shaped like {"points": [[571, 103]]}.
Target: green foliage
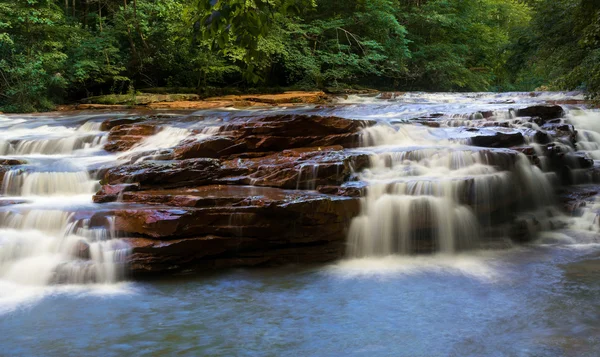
{"points": [[32, 47], [561, 47], [52, 51], [461, 45]]}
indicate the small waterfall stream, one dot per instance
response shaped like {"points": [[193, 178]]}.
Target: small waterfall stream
{"points": [[430, 188], [42, 240], [55, 234]]}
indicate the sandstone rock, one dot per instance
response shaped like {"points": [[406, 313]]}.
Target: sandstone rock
{"points": [[124, 137], [102, 107], [197, 105], [169, 174], [108, 124], [226, 226], [210, 147], [574, 198], [304, 168], [111, 193], [276, 99], [301, 168], [276, 133]]}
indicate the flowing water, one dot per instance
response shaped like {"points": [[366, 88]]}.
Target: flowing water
{"points": [[63, 290]]}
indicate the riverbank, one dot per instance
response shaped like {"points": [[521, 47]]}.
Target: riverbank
{"points": [[151, 101], [187, 101]]}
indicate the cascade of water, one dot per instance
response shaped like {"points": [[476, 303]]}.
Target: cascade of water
{"points": [[40, 244], [428, 192], [39, 247], [18, 183]]}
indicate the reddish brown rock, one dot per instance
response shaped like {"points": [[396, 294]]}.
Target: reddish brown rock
{"points": [[210, 147], [150, 257], [124, 137], [298, 168], [111, 193], [225, 226], [108, 124], [275, 99], [276, 133], [265, 213], [172, 174], [302, 168], [81, 250]]}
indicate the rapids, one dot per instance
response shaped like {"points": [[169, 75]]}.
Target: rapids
{"points": [[430, 188]]}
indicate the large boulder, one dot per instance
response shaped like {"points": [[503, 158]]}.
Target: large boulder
{"points": [[544, 112], [224, 226]]}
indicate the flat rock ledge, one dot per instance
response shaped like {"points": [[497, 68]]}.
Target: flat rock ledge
{"points": [[279, 189], [220, 226]]}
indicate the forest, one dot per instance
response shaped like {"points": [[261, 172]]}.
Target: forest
{"points": [[59, 51]]}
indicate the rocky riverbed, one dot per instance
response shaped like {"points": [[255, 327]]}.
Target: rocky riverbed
{"points": [[365, 176]]}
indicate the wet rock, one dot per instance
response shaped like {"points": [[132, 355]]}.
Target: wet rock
{"points": [[111, 193], [170, 174], [356, 189], [276, 133], [210, 147], [108, 124], [101, 107], [124, 137], [542, 137], [81, 250], [573, 198], [74, 272], [487, 114], [189, 255], [270, 214], [224, 226], [187, 105], [301, 168], [496, 138], [544, 112], [304, 168], [521, 230]]}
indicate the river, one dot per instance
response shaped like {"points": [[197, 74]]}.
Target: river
{"points": [[538, 299]]}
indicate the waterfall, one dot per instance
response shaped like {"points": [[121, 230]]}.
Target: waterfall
{"points": [[428, 191], [41, 244]]}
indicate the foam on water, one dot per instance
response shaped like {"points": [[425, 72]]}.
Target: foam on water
{"points": [[485, 266], [42, 242]]}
